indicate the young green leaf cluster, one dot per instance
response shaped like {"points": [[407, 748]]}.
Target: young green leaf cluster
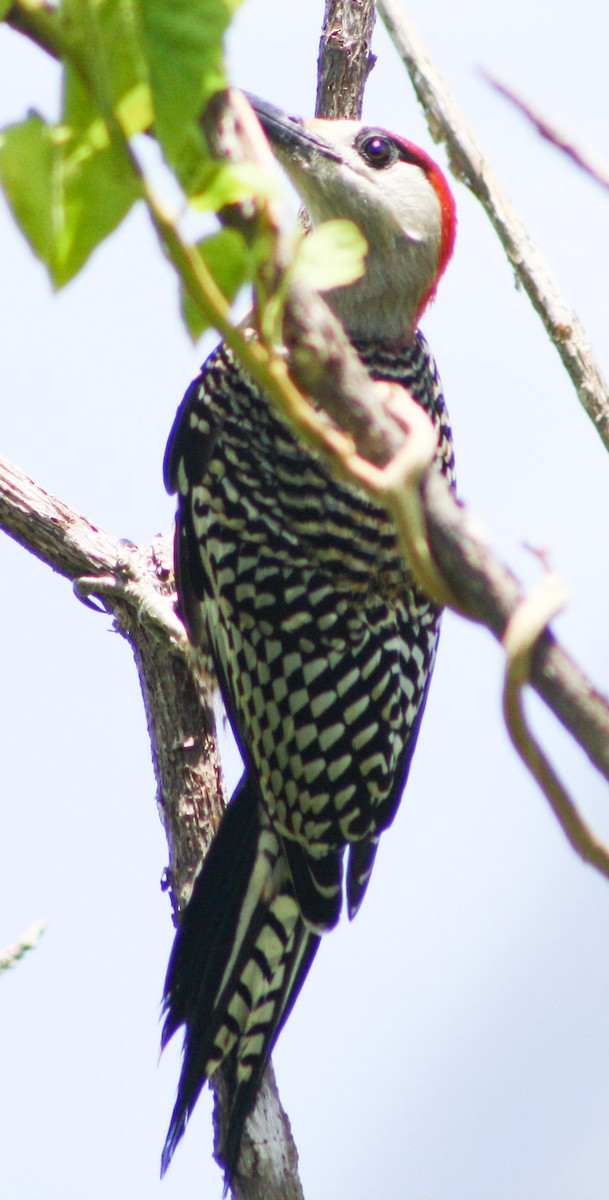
{"points": [[129, 67]]}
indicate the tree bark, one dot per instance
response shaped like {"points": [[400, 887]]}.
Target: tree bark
{"points": [[345, 58]]}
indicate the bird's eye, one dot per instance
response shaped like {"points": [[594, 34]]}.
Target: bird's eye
{"points": [[377, 149]]}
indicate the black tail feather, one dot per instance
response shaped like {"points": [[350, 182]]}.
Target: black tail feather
{"points": [[361, 862], [318, 885], [239, 959], [304, 952], [199, 946]]}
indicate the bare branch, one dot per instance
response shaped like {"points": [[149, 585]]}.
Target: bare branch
{"points": [[345, 59], [268, 1163], [135, 584], [51, 530], [447, 124], [552, 134]]}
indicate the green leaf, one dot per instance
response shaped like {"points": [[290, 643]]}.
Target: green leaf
{"points": [[28, 157], [80, 115], [228, 259], [5, 5], [122, 45], [97, 194], [117, 66], [65, 195], [183, 42], [332, 255], [69, 187]]}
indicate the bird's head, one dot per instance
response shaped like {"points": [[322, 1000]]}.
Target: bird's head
{"points": [[397, 197]]}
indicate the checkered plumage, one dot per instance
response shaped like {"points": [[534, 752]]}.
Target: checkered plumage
{"points": [[294, 593], [323, 651]]}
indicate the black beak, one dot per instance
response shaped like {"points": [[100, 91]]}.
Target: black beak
{"points": [[288, 133]]}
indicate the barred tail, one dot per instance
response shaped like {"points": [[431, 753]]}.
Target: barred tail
{"points": [[239, 959]]}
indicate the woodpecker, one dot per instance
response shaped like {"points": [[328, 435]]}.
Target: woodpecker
{"points": [[292, 588]]}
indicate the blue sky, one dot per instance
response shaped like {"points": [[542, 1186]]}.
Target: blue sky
{"points": [[453, 1043]]}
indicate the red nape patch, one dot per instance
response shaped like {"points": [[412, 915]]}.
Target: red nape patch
{"points": [[411, 153]]}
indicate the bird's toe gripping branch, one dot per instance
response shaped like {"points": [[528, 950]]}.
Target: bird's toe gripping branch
{"points": [[131, 585]]}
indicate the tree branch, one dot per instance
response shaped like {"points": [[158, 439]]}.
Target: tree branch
{"points": [[345, 59], [10, 956], [597, 171], [51, 530], [135, 585], [447, 123]]}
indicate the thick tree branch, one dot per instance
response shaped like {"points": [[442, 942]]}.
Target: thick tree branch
{"points": [[268, 1163], [135, 584], [345, 58], [51, 530], [447, 124]]}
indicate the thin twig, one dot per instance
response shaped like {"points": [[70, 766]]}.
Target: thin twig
{"points": [[13, 954], [551, 133]]}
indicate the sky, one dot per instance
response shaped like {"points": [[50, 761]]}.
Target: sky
{"points": [[453, 1042]]}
